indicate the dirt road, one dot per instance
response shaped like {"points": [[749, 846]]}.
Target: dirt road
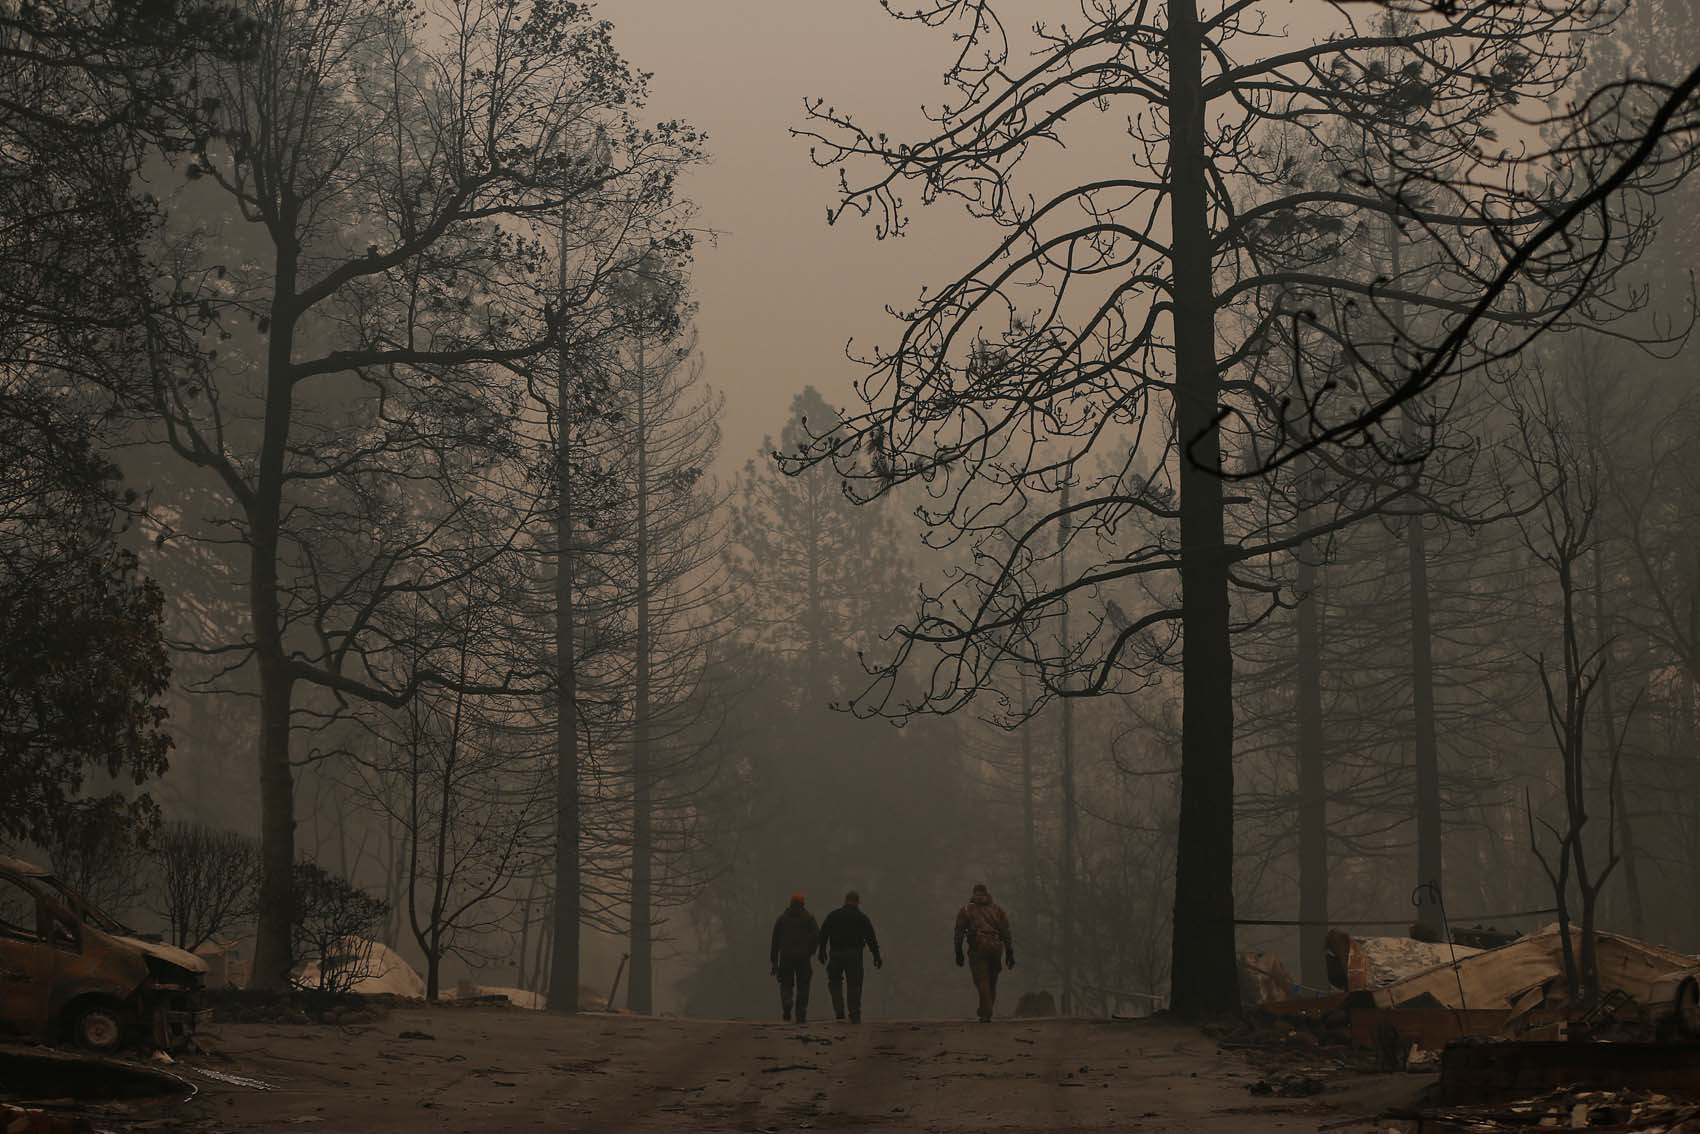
{"points": [[477, 1069]]}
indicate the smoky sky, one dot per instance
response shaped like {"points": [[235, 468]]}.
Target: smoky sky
{"points": [[779, 292]]}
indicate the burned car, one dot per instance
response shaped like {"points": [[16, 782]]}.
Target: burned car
{"points": [[69, 972]]}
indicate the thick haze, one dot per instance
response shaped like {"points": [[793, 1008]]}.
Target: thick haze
{"points": [[779, 290]]}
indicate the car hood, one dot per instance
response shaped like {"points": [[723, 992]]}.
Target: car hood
{"points": [[168, 953]]}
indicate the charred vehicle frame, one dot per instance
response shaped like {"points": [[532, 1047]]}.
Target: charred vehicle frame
{"points": [[70, 972]]}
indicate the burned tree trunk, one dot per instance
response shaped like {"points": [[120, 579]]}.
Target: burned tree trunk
{"points": [[1565, 480], [1204, 980], [272, 958], [640, 989], [1029, 842], [1429, 862], [1312, 772], [1430, 883], [1070, 815], [564, 938], [1607, 732]]}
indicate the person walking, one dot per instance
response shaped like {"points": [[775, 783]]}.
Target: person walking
{"points": [[795, 936], [843, 935], [983, 927]]}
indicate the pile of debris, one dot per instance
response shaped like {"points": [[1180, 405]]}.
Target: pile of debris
{"points": [[1519, 990], [1291, 1085], [300, 1006], [1396, 996], [1264, 978], [1494, 1016], [1569, 1110], [1359, 963], [28, 1120], [43, 1091]]}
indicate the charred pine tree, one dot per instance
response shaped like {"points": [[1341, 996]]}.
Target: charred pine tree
{"points": [[1029, 802], [1067, 856], [1312, 759], [576, 404], [669, 432]]}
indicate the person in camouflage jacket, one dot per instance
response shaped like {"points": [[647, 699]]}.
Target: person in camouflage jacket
{"points": [[983, 928]]}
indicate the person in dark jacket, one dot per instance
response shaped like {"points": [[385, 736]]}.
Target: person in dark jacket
{"points": [[843, 935], [795, 936], [983, 927]]}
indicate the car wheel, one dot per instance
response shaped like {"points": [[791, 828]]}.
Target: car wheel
{"points": [[98, 1028]]}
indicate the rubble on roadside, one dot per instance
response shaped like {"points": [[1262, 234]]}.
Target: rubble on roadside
{"points": [[1322, 1032], [1489, 1071], [1293, 1085], [1528, 975], [1515, 991], [301, 1007], [28, 1120], [1641, 1112], [1497, 1022], [1263, 978], [47, 1091], [1357, 964]]}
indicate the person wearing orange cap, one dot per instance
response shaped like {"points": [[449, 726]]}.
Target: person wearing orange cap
{"points": [[983, 927], [791, 956]]}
